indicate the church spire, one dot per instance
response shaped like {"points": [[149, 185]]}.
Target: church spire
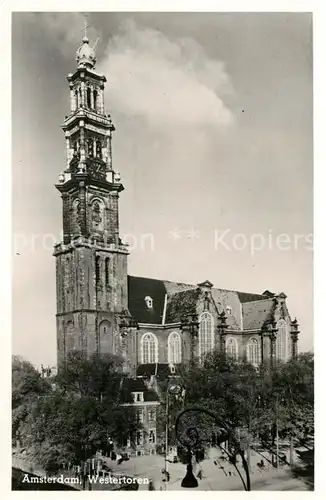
{"points": [[85, 55]]}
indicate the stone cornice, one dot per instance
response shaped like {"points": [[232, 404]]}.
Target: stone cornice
{"points": [[81, 242]]}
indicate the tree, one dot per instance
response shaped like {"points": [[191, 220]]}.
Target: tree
{"points": [[27, 385], [223, 385], [79, 414], [252, 400]]}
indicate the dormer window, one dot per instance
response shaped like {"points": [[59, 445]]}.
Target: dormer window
{"points": [[149, 302], [138, 397], [228, 310]]}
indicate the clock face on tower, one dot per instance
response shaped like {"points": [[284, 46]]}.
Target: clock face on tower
{"points": [[96, 169]]}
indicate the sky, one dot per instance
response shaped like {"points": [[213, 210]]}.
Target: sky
{"points": [[214, 143]]}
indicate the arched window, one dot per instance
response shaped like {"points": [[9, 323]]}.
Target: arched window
{"points": [[95, 99], [253, 352], [105, 337], [76, 148], [149, 302], [107, 271], [77, 214], [98, 149], [149, 348], [70, 338], [76, 98], [232, 348], [174, 348], [97, 269], [206, 333], [282, 341], [96, 213], [89, 99], [79, 97], [90, 148]]}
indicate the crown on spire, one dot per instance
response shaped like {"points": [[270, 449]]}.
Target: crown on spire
{"points": [[85, 55]]}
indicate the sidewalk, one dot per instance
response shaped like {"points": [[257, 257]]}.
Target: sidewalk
{"points": [[213, 476]]}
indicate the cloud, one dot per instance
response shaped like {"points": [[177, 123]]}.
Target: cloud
{"points": [[164, 81], [149, 75], [64, 29]]}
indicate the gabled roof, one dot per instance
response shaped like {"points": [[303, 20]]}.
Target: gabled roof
{"points": [[181, 304], [181, 299], [137, 385], [256, 314], [161, 370], [206, 284], [139, 288], [250, 297]]}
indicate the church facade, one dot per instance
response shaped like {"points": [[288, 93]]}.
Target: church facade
{"points": [[149, 322]]}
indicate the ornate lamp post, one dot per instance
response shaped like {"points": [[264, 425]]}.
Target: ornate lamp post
{"points": [[189, 436], [175, 389], [294, 336], [190, 324]]}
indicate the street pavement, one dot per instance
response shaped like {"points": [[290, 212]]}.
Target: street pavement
{"points": [[213, 476]]}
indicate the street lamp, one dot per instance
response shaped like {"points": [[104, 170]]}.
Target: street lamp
{"points": [[188, 436], [173, 388]]}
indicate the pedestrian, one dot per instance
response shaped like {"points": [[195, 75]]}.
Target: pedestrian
{"points": [[151, 486]]}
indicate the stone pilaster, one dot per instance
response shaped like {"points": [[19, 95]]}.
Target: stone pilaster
{"points": [[294, 338], [222, 328], [82, 89], [73, 104], [101, 100], [115, 215], [109, 149], [82, 144], [66, 218], [272, 338], [82, 208], [68, 155]]}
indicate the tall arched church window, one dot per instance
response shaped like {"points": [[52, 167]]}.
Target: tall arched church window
{"points": [[88, 97], [232, 348], [253, 352], [282, 340], [174, 348], [79, 97], [206, 333], [76, 98], [149, 348]]}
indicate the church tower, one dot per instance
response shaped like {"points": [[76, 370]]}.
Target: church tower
{"points": [[91, 261]]}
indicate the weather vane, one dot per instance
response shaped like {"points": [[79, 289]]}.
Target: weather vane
{"points": [[86, 25]]}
